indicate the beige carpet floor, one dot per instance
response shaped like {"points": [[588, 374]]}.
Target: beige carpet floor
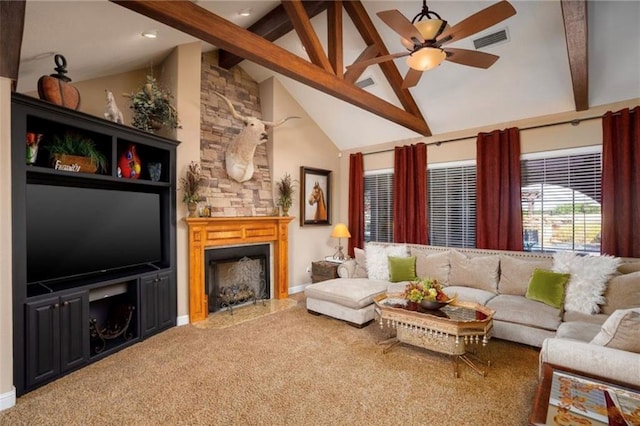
{"points": [[286, 368]]}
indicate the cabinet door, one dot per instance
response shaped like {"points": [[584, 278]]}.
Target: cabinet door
{"points": [[74, 330], [157, 307], [148, 305], [42, 340], [165, 301]]}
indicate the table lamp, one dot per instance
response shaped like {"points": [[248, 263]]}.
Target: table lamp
{"points": [[340, 231]]}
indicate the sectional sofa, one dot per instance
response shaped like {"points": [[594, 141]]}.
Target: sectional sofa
{"points": [[596, 287]]}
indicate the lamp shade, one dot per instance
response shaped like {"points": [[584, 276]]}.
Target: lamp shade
{"points": [[426, 58], [429, 29], [340, 231]]}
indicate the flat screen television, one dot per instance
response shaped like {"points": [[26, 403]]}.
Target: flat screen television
{"points": [[74, 231]]}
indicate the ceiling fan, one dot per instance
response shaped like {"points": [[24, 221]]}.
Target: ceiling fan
{"points": [[424, 39]]}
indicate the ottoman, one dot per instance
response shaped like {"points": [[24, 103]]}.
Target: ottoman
{"points": [[347, 299]]}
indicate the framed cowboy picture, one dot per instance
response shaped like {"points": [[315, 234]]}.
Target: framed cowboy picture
{"points": [[315, 205]]}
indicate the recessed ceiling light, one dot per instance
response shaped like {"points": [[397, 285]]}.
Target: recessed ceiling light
{"points": [[150, 34], [245, 12]]}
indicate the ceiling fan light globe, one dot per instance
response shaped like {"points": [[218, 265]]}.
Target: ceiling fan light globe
{"points": [[426, 58], [430, 28]]}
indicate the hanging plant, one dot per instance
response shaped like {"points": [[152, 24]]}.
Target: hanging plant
{"points": [[152, 107]]}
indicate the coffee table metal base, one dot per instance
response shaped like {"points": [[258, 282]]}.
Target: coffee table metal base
{"points": [[445, 344]]}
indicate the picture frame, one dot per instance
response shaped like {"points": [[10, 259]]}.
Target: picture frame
{"points": [[568, 395], [315, 197]]}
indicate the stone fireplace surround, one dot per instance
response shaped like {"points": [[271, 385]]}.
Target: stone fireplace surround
{"points": [[209, 232]]}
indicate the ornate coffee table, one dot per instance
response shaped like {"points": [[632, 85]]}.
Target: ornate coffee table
{"points": [[447, 330]]}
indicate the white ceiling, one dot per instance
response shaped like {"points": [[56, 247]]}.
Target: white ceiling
{"points": [[530, 79]]}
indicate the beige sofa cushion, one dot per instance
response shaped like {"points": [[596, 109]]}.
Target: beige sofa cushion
{"points": [[361, 263], [629, 267], [623, 291], [515, 274], [435, 266], [477, 272], [353, 293], [519, 310], [621, 331]]}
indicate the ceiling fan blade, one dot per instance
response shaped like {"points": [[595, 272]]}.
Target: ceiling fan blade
{"points": [[471, 58], [377, 60], [477, 22], [411, 79], [398, 23]]}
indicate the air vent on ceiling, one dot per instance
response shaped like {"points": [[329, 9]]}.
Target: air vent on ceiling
{"points": [[497, 37], [365, 82]]}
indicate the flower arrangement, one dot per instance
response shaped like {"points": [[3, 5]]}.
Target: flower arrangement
{"points": [[286, 189], [152, 107], [425, 289], [192, 183]]}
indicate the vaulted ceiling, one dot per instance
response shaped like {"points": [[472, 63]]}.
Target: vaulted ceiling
{"points": [[553, 61]]}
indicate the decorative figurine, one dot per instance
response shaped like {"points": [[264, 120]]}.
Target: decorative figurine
{"points": [[129, 165], [112, 112]]}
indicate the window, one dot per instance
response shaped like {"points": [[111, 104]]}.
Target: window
{"points": [[378, 206], [561, 196], [452, 204]]}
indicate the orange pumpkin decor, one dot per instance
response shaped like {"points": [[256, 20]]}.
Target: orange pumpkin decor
{"points": [[129, 165], [55, 88]]}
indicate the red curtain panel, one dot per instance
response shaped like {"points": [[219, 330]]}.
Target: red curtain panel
{"points": [[498, 186], [356, 202], [621, 183], [410, 194]]}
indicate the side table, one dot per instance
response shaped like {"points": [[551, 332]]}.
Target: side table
{"points": [[323, 270]]}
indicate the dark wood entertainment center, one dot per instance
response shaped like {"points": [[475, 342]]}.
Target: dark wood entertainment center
{"points": [[64, 324]]}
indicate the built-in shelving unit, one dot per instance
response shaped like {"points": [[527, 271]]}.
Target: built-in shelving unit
{"points": [[108, 283]]}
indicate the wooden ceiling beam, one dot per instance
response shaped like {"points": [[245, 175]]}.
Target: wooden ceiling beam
{"points": [[370, 35], [574, 14], [12, 17], [271, 27], [334, 37], [192, 19], [307, 34]]}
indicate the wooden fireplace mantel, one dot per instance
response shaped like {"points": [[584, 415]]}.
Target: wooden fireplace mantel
{"points": [[207, 232]]}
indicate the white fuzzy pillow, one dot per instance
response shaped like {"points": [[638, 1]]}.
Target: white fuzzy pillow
{"points": [[377, 259], [588, 282]]}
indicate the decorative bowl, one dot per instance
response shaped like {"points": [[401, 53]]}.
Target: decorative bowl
{"points": [[435, 304]]}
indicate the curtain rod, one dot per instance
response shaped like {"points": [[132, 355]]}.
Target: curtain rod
{"points": [[573, 122]]}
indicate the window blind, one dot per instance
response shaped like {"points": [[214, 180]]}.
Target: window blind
{"points": [[561, 198], [452, 205], [378, 207]]}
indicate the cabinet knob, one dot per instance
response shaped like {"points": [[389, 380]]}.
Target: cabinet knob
{"points": [[56, 305], [65, 303]]}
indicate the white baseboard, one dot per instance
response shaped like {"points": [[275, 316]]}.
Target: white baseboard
{"points": [[182, 320], [298, 288], [8, 399]]}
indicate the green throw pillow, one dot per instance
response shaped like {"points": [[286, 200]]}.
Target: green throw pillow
{"points": [[547, 287], [402, 269]]}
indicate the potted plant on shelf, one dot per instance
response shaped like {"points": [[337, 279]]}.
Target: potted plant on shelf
{"points": [[286, 189], [191, 184], [152, 107], [74, 152]]}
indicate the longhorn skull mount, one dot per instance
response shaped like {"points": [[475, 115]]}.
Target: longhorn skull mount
{"points": [[239, 154]]}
